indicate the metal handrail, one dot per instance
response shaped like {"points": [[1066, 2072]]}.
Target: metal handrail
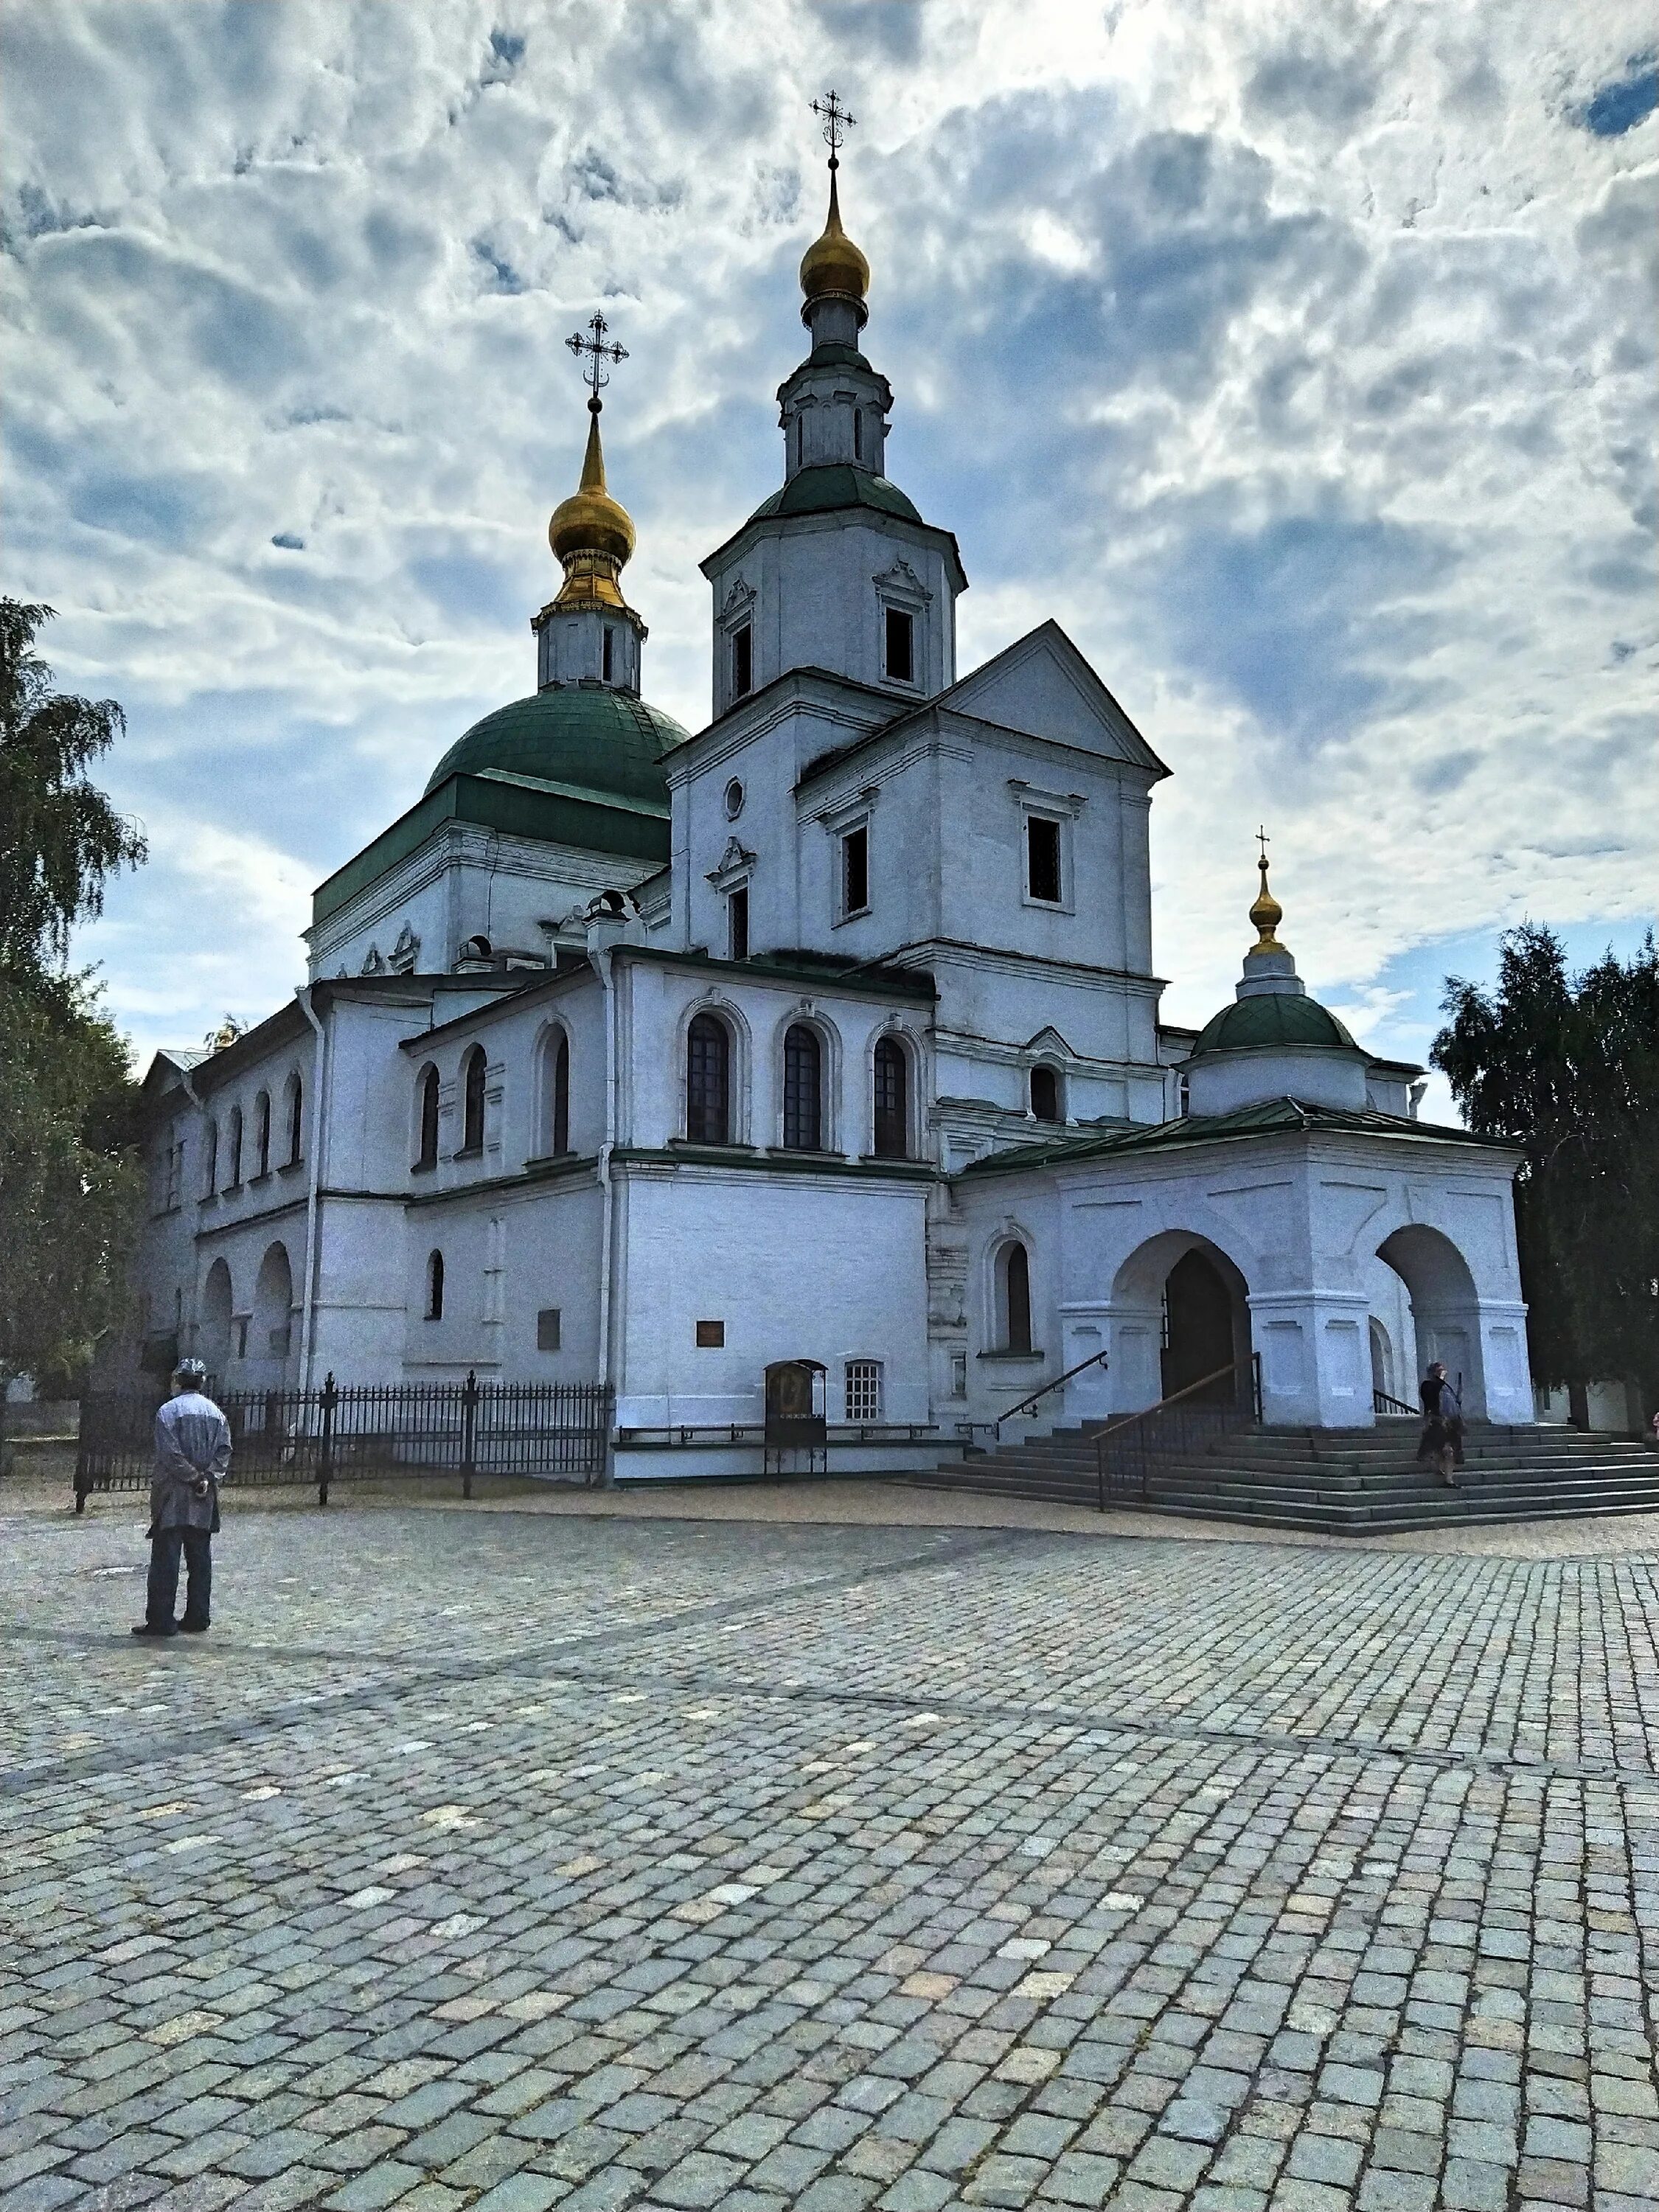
{"points": [[1095, 1360], [1115, 1431], [1383, 1403]]}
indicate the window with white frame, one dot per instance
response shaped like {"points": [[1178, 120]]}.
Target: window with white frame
{"points": [[863, 1390], [1047, 819]]}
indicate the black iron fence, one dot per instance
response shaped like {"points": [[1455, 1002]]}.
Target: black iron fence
{"points": [[339, 1434], [1130, 1454]]}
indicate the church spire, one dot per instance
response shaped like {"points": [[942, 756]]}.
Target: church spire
{"points": [[591, 534], [834, 276], [1266, 913]]}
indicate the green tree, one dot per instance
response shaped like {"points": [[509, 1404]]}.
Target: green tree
{"points": [[1568, 1066], [69, 1185]]}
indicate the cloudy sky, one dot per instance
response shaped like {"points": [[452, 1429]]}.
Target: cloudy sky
{"points": [[1296, 355]]}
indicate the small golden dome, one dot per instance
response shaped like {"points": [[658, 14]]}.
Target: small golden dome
{"points": [[832, 263], [1266, 913], [590, 521]]}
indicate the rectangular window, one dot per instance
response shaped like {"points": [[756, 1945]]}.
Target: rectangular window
{"points": [[737, 924], [711, 1335], [901, 657], [855, 870], [607, 652], [958, 1375], [742, 661], [547, 1329], [1042, 859], [864, 1390]]}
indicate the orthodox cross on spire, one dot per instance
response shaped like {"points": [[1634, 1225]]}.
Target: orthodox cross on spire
{"points": [[593, 352], [1263, 840], [837, 124]]}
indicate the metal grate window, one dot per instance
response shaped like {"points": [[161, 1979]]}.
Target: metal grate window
{"points": [[803, 1061], [864, 1390], [707, 1082]]}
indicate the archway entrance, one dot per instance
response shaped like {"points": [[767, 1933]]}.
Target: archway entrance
{"points": [[269, 1339], [1445, 1311], [1198, 1334]]}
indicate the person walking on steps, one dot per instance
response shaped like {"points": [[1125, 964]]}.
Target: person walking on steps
{"points": [[193, 1453], [1442, 1418]]}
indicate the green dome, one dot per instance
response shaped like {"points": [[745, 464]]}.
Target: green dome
{"points": [[1273, 1017], [835, 485], [598, 741]]}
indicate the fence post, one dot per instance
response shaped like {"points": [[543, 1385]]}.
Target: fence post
{"points": [[469, 1429], [330, 1398]]}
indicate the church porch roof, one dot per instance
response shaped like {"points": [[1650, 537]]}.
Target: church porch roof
{"points": [[1266, 1117]]}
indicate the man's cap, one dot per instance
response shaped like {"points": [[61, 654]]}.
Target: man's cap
{"points": [[192, 1372]]}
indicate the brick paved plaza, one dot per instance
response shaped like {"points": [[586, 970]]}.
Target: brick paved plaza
{"points": [[510, 1860]]}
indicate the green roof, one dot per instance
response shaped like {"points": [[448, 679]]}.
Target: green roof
{"points": [[831, 486], [1275, 1018], [519, 806], [1267, 1117], [586, 738]]}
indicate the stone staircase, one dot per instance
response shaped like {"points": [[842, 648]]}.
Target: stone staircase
{"points": [[1342, 1481]]}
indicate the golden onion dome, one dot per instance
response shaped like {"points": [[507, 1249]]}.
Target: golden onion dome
{"points": [[590, 521], [832, 263], [1266, 913]]}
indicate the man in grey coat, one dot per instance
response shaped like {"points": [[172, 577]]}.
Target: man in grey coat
{"points": [[192, 1453]]}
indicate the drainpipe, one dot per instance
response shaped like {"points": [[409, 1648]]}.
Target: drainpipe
{"points": [[606, 928], [201, 1108], [308, 1304]]}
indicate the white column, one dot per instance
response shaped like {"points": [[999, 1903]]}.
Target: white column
{"points": [[1315, 1358]]}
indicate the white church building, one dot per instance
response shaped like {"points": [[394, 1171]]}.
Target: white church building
{"points": [[828, 1032]]}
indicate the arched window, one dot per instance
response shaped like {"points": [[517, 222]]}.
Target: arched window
{"points": [[708, 1081], [296, 1102], [472, 1101], [235, 1149], [1045, 1094], [891, 1103], [426, 1154], [435, 1287], [211, 1159], [1014, 1269], [559, 1098], [803, 1089], [262, 1133]]}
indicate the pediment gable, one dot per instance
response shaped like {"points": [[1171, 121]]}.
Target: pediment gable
{"points": [[1043, 686]]}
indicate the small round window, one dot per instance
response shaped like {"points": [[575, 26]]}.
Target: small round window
{"points": [[734, 799]]}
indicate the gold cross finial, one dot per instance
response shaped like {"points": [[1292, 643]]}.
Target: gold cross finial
{"points": [[1263, 841], [837, 124], [593, 352], [1266, 913]]}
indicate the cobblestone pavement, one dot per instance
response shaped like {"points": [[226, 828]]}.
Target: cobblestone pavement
{"points": [[510, 1860]]}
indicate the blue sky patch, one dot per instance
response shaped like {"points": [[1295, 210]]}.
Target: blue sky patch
{"points": [[1628, 101]]}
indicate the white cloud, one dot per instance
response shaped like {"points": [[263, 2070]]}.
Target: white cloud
{"points": [[1297, 359]]}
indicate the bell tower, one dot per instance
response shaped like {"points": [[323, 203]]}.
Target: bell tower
{"points": [[837, 571]]}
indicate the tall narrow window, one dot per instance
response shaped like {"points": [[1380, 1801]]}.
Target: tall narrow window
{"points": [[235, 1149], [1042, 858], [560, 1131], [435, 1287], [709, 1081], [296, 1119], [901, 637], [863, 1393], [855, 871], [742, 661], [1045, 1094], [210, 1161], [736, 922], [891, 1106], [426, 1154], [803, 1090], [607, 652], [800, 442], [262, 1126], [858, 434], [1017, 1299], [472, 1101]]}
